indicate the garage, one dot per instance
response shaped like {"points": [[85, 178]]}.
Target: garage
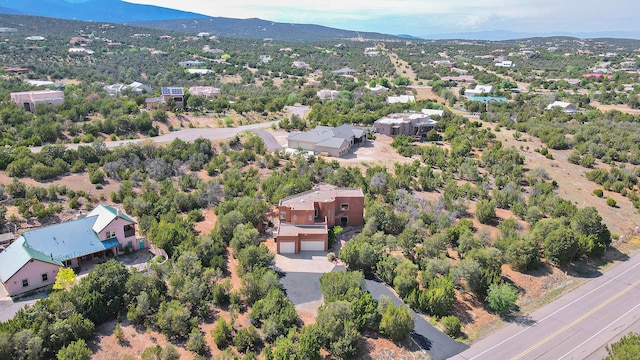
{"points": [[287, 247], [317, 245]]}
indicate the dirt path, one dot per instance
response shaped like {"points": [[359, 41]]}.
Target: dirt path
{"points": [[402, 67]]}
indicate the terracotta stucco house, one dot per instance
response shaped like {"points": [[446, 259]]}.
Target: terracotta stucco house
{"points": [[30, 99], [33, 260], [410, 124], [305, 218]]}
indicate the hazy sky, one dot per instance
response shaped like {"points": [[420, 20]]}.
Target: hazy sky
{"points": [[423, 17]]}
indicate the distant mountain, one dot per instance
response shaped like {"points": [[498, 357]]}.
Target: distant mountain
{"points": [[115, 11], [499, 35], [260, 29]]}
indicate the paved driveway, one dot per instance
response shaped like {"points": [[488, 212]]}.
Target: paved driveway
{"points": [[438, 344], [269, 141], [301, 277], [9, 307], [301, 281]]}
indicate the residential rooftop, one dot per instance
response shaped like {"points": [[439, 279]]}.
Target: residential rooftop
{"points": [[322, 193]]}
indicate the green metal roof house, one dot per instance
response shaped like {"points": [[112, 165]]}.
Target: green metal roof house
{"points": [[33, 260]]}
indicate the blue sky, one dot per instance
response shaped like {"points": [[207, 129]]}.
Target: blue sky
{"points": [[424, 17]]}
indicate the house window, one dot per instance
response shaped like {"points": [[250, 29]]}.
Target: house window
{"points": [[344, 220], [129, 230], [25, 283], [344, 207], [310, 218], [111, 234], [45, 277], [315, 212], [283, 215]]}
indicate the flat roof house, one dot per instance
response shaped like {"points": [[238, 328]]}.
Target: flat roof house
{"points": [[325, 139], [33, 260], [135, 87], [326, 94], [81, 51], [30, 99], [344, 72], [410, 124], [305, 218]]}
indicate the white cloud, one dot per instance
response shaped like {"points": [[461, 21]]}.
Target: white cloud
{"points": [[434, 16]]}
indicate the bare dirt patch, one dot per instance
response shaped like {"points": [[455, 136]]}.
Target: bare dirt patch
{"points": [[105, 346], [619, 107], [426, 93], [205, 226]]}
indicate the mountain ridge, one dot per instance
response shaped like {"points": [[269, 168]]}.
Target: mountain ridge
{"points": [[115, 11], [254, 28]]}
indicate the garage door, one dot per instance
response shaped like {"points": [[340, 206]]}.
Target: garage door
{"points": [[312, 246], [287, 247]]}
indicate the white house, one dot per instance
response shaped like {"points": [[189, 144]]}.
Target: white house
{"points": [[80, 51], [505, 63], [479, 89], [565, 106], [402, 99]]}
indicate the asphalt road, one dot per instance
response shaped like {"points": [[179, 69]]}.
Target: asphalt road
{"points": [[576, 326], [439, 345], [185, 134]]}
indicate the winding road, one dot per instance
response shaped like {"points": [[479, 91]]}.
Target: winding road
{"points": [[575, 326], [185, 134]]}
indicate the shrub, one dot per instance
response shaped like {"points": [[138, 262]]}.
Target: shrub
{"points": [[77, 350], [451, 325], [196, 342], [397, 321], [502, 297], [118, 333], [611, 202], [221, 333], [598, 192], [246, 339], [485, 211]]}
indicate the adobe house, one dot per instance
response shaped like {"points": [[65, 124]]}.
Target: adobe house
{"points": [[305, 218], [34, 259], [30, 99], [410, 124]]}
